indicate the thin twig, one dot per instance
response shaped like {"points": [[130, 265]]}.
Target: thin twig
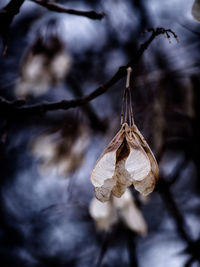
{"points": [[95, 122], [103, 249], [8, 108], [131, 248], [62, 9]]}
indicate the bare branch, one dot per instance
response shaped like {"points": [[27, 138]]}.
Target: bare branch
{"points": [[8, 108], [95, 122], [7, 14], [193, 246], [62, 9]]}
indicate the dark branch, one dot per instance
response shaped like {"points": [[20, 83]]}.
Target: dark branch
{"points": [[131, 248], [193, 246], [8, 108], [7, 15], [165, 192], [60, 8], [95, 122]]}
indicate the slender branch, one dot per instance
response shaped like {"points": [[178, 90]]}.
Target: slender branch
{"points": [[193, 246], [62, 9], [7, 15], [8, 108], [179, 169], [131, 248], [104, 247], [165, 192], [95, 122], [189, 262]]}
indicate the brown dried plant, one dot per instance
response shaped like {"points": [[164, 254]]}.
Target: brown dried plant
{"points": [[128, 160]]}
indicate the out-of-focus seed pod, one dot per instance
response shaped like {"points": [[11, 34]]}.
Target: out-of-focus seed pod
{"points": [[124, 208], [45, 64]]}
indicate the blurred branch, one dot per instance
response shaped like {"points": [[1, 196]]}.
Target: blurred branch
{"points": [[131, 248], [163, 187], [95, 122], [62, 9], [165, 192], [193, 246], [178, 170], [104, 246], [7, 15], [190, 29], [193, 250], [8, 108], [196, 143], [189, 262]]}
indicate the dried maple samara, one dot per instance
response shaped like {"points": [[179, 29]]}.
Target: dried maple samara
{"points": [[127, 161]]}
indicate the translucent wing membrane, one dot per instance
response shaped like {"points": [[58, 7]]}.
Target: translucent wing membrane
{"points": [[103, 173], [147, 185], [145, 146], [138, 164], [104, 169]]}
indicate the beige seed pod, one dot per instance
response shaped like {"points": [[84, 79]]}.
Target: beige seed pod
{"points": [[127, 160]]}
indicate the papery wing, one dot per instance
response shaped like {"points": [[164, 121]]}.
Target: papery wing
{"points": [[102, 175], [145, 186], [145, 146], [104, 168], [103, 192], [137, 163]]}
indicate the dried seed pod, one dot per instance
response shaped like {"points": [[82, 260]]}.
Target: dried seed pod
{"points": [[104, 214], [127, 160], [45, 64], [109, 213], [60, 151]]}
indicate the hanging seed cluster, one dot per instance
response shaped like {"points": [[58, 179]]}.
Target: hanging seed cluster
{"points": [[126, 161]]}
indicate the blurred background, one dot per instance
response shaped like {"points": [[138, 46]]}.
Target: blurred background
{"points": [[48, 214]]}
